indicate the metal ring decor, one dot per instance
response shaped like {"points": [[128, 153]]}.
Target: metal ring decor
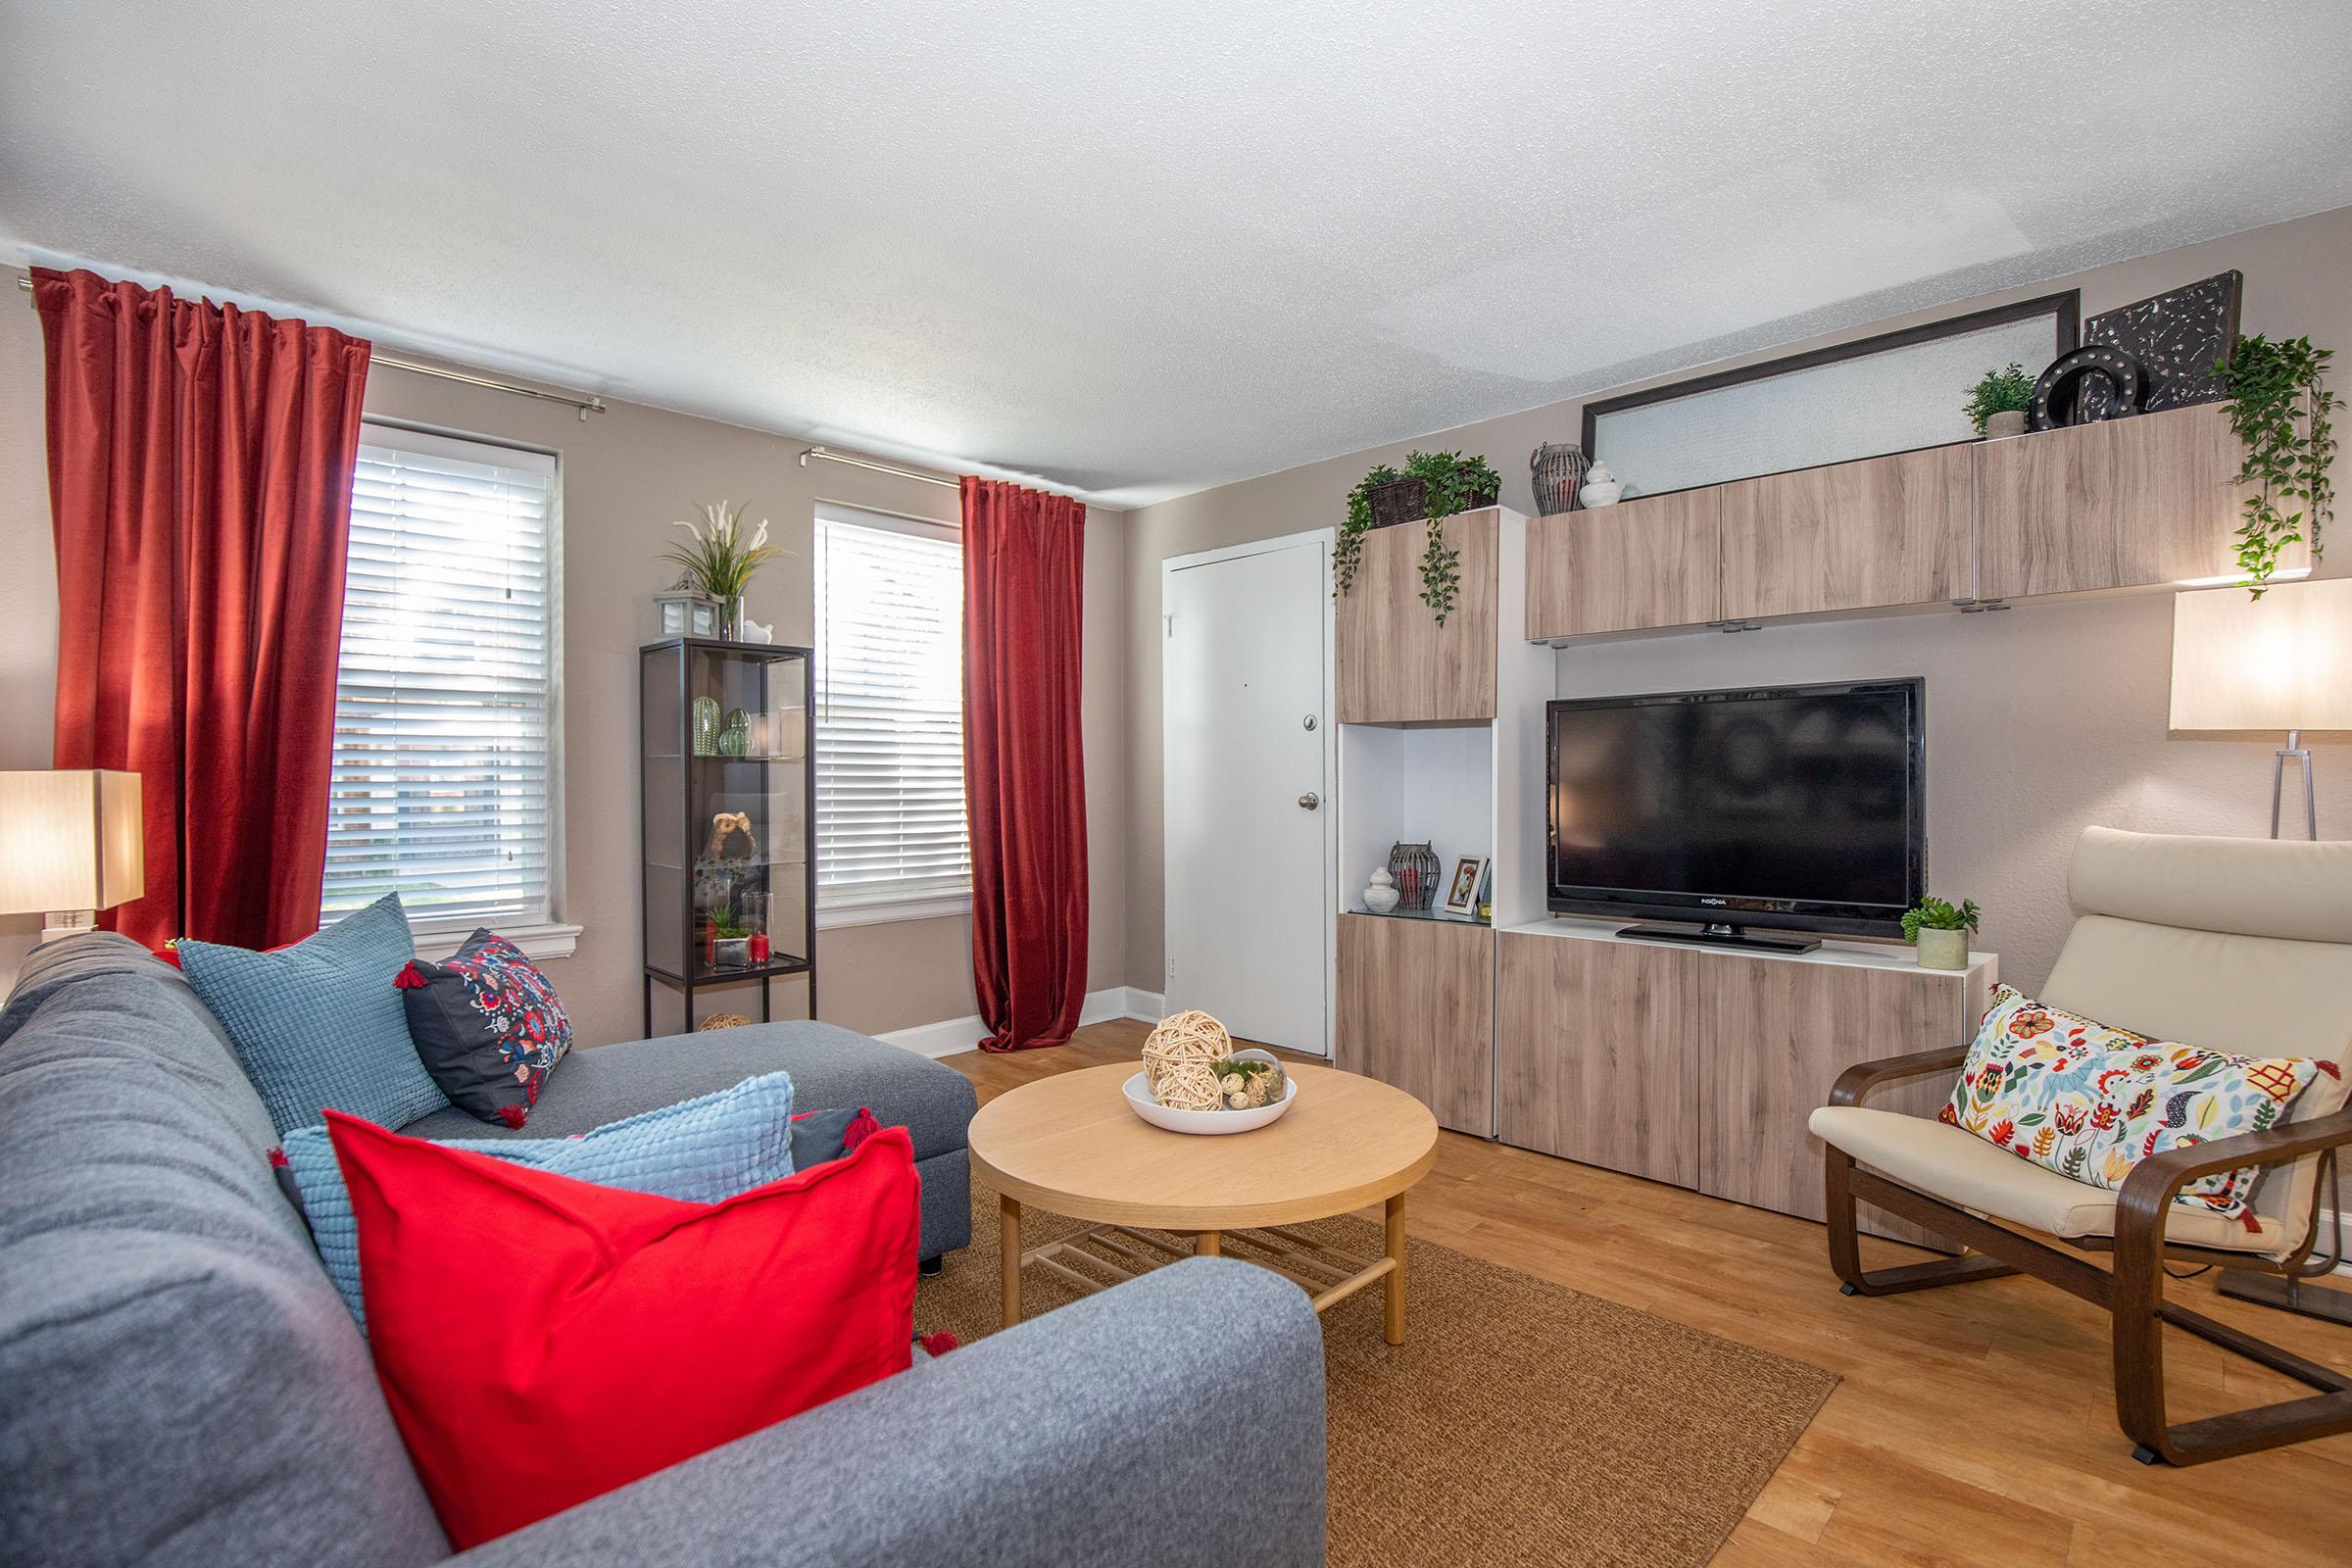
{"points": [[2055, 393]]}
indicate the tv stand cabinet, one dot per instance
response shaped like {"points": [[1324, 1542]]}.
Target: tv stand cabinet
{"points": [[1698, 1065]]}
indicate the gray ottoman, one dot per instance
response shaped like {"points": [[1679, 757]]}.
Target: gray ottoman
{"points": [[831, 1067]]}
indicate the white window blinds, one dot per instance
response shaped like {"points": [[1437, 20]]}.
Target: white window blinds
{"points": [[442, 786], [890, 825]]}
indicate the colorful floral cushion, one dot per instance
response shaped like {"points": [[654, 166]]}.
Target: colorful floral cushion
{"points": [[487, 1026], [2091, 1102]]}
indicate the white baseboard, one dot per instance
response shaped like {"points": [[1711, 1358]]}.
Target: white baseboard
{"points": [[1148, 1005], [2326, 1236], [937, 1039], [953, 1035]]}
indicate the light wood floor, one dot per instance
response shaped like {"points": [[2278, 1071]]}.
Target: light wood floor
{"points": [[1976, 1424]]}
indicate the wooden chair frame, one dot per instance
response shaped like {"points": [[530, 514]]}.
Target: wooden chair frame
{"points": [[2131, 1292]]}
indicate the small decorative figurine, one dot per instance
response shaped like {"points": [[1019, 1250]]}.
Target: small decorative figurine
{"points": [[1601, 487]]}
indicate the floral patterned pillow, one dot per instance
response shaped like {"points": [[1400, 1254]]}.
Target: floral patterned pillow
{"points": [[487, 1025], [2091, 1102]]}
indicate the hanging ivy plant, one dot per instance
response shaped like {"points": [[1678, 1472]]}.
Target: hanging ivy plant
{"points": [[1349, 547], [2279, 405], [1450, 483]]}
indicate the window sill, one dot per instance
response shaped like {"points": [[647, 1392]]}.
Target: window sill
{"points": [[545, 940], [884, 912]]}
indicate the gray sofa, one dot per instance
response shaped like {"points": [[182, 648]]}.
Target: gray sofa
{"points": [[181, 1385]]}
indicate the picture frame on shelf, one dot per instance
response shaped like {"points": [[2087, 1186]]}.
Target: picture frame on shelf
{"points": [[1462, 887]]}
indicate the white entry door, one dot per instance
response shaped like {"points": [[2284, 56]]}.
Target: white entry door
{"points": [[1246, 669]]}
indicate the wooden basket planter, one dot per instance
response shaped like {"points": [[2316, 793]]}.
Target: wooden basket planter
{"points": [[1408, 501]]}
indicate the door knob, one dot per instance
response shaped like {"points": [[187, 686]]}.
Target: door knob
{"points": [[1310, 800]]}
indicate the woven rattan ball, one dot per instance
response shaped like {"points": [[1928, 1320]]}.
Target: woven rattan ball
{"points": [[1189, 1086], [721, 1020], [1176, 1061]]}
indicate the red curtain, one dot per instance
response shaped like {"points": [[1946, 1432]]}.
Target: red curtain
{"points": [[200, 461], [1024, 767]]}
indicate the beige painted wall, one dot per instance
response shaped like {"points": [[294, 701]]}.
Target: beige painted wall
{"points": [[2041, 719], [625, 475]]}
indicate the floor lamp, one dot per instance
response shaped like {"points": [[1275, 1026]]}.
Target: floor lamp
{"points": [[2248, 665]]}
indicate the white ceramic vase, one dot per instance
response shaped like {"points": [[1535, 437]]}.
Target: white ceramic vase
{"points": [[1381, 896], [1601, 487]]}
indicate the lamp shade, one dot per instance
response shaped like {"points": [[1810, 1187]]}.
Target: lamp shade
{"points": [[2278, 662], [69, 840]]}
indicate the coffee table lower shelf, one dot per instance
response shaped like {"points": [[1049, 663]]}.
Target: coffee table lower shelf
{"points": [[1326, 1273]]}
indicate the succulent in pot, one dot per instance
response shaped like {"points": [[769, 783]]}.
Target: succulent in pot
{"points": [[1940, 930]]}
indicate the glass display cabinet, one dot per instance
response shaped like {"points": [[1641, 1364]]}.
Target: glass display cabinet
{"points": [[729, 824]]}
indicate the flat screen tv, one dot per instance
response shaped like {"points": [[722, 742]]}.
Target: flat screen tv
{"points": [[1797, 807]]}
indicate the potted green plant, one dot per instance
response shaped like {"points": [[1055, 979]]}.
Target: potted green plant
{"points": [[1941, 932], [2279, 404], [730, 940], [1432, 484], [721, 559], [1996, 405]]}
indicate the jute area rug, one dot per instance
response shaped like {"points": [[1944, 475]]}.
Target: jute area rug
{"points": [[1522, 1422]]}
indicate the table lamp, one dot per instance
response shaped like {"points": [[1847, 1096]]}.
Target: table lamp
{"points": [[71, 844], [2283, 661]]}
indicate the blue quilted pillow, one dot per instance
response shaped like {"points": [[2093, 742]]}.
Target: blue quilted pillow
{"points": [[700, 1150], [320, 1023]]}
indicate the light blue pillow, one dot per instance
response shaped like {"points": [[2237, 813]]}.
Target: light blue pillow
{"points": [[320, 1023], [700, 1151]]}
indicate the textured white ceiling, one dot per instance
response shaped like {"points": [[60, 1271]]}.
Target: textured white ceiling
{"points": [[1133, 251]]}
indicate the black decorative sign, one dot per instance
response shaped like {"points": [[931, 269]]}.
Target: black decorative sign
{"points": [[2175, 339]]}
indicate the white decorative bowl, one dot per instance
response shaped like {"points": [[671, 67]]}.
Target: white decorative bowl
{"points": [[1140, 1100]]}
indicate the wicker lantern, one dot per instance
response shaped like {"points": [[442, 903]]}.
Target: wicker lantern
{"points": [[1558, 468]]}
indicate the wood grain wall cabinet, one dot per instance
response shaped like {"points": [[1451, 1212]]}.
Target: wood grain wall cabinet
{"points": [[2123, 504], [1395, 663], [1418, 1010], [1777, 1035], [1861, 535], [1656, 561], [1596, 1052]]}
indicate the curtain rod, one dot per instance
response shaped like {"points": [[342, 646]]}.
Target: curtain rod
{"points": [[393, 362], [879, 467]]}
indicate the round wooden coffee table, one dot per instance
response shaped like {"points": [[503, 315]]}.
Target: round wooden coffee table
{"points": [[1070, 1144]]}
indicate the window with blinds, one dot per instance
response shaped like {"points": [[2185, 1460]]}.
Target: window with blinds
{"points": [[443, 786], [890, 826]]}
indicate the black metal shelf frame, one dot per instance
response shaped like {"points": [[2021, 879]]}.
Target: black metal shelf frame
{"points": [[683, 667]]}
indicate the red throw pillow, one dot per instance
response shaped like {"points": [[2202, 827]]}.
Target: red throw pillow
{"points": [[542, 1341]]}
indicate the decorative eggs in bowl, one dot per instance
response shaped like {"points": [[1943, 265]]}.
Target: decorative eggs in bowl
{"points": [[1252, 1091]]}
